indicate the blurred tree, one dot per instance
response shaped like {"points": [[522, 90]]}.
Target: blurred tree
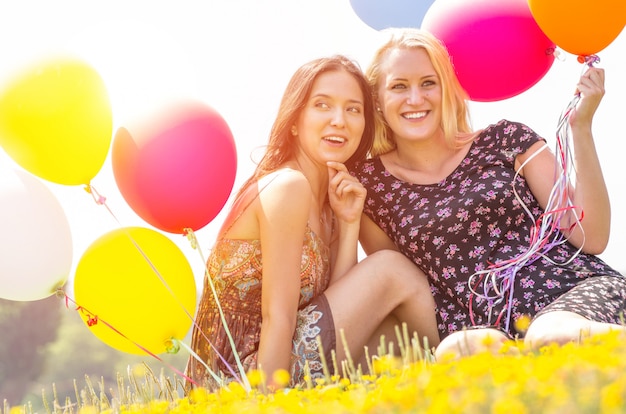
{"points": [[25, 328], [77, 356]]}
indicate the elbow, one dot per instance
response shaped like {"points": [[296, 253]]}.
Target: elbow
{"points": [[595, 248]]}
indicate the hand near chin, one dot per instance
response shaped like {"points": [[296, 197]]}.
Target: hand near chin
{"points": [[345, 193]]}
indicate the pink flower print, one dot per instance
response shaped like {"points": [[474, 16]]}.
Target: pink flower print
{"points": [[474, 227], [457, 227], [444, 213], [448, 273], [551, 284], [452, 250], [462, 215], [498, 183], [487, 174], [491, 195], [438, 241], [476, 252], [483, 210], [494, 231], [527, 283]]}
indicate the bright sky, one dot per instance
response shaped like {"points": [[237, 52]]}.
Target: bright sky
{"points": [[237, 56]]}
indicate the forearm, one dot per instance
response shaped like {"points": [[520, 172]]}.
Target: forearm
{"points": [[347, 249], [591, 197], [275, 347]]}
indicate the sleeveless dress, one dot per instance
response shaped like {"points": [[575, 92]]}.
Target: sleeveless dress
{"points": [[470, 220], [236, 268]]}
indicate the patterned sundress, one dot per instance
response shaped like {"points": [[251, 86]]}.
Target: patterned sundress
{"points": [[470, 220], [236, 268]]}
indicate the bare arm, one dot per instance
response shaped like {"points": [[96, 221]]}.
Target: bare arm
{"points": [[590, 195], [283, 214], [373, 238], [346, 196]]}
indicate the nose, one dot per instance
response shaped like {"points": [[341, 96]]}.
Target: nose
{"points": [[338, 118], [415, 96]]}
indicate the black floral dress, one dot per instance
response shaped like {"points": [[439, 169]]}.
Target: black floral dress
{"points": [[456, 229]]}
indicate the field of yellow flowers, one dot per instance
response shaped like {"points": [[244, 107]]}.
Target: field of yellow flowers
{"points": [[589, 377]]}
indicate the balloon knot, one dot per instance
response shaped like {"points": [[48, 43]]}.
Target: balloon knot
{"points": [[99, 199], [588, 59], [191, 237], [91, 319], [172, 346]]}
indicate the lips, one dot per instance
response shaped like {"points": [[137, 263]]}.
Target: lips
{"points": [[335, 139], [415, 115]]}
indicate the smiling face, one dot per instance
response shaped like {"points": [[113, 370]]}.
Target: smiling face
{"points": [[331, 124], [409, 94]]}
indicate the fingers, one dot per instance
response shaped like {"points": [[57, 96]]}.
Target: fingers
{"points": [[592, 82], [341, 182]]}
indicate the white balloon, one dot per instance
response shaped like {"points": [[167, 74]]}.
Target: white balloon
{"points": [[35, 238]]}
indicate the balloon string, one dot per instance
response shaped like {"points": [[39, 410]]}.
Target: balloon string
{"points": [[93, 319], [498, 279], [101, 200], [191, 236]]}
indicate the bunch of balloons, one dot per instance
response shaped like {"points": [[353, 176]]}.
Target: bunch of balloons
{"points": [[501, 48], [134, 288]]}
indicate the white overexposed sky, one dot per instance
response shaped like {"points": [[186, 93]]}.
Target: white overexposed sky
{"points": [[237, 56]]}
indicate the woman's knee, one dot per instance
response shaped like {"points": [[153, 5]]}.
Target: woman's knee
{"points": [[470, 342], [558, 327], [397, 267]]}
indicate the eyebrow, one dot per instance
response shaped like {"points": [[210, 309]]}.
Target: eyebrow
{"points": [[323, 95]]}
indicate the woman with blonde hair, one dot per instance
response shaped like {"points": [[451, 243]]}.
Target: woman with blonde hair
{"points": [[482, 213]]}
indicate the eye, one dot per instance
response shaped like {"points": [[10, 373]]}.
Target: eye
{"points": [[321, 104], [397, 86], [429, 83], [355, 109]]}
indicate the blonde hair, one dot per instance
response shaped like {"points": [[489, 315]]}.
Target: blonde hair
{"points": [[455, 120]]}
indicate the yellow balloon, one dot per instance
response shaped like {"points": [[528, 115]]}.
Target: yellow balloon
{"points": [[133, 286], [56, 120]]}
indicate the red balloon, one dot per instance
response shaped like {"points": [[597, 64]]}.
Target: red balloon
{"points": [[176, 169], [497, 47]]}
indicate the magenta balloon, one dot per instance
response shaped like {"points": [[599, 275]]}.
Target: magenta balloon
{"points": [[177, 169], [497, 47]]}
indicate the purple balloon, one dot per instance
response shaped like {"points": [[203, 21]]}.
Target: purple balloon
{"points": [[382, 14]]}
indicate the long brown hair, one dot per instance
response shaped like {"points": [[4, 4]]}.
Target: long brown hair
{"points": [[280, 147], [455, 112]]}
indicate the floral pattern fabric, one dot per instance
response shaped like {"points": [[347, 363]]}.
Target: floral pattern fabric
{"points": [[471, 219], [236, 267]]}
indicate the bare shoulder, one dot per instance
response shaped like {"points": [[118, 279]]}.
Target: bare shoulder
{"points": [[283, 190]]}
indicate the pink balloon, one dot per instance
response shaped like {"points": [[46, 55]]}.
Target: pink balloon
{"points": [[176, 170], [497, 47]]}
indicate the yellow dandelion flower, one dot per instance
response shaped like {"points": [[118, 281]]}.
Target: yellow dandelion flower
{"points": [[281, 377], [522, 323], [256, 377]]}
